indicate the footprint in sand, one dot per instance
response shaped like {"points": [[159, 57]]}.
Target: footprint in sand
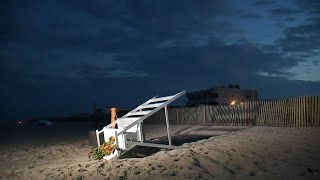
{"points": [[313, 171], [256, 162]]}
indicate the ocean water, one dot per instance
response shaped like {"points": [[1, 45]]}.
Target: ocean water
{"points": [[32, 132]]}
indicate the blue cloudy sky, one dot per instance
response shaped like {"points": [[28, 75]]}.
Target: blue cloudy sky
{"points": [[57, 56]]}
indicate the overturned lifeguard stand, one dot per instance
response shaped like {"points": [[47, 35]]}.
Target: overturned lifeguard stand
{"points": [[129, 126]]}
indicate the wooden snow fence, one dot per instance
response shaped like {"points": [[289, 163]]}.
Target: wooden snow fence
{"points": [[292, 112]]}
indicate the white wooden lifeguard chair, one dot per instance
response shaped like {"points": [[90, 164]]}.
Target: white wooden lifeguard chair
{"points": [[131, 123]]}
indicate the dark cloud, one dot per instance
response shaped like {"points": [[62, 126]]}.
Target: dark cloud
{"points": [[284, 11], [312, 6], [113, 26], [290, 19], [314, 20], [251, 16], [215, 60], [301, 39], [263, 2]]}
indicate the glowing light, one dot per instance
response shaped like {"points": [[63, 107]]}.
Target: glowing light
{"points": [[233, 103]]}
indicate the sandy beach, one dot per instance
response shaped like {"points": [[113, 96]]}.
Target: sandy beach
{"points": [[237, 152]]}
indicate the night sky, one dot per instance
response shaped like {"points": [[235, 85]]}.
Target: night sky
{"points": [[57, 57]]}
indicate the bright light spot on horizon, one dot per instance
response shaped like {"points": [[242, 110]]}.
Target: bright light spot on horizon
{"points": [[233, 103]]}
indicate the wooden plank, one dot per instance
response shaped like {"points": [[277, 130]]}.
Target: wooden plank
{"points": [[260, 114], [237, 114], [301, 112], [212, 114], [316, 108], [218, 117], [279, 115], [256, 113], [290, 118], [267, 112], [226, 116], [307, 111], [276, 109], [263, 112], [203, 111], [304, 112], [245, 109], [222, 120], [231, 110], [252, 112], [232, 113], [318, 111], [293, 115], [283, 112], [289, 112], [312, 110], [223, 116], [247, 113], [272, 113], [240, 114], [297, 111]]}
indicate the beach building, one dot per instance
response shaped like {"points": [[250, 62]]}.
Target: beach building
{"points": [[221, 95]]}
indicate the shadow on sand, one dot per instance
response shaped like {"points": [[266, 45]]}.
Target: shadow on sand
{"points": [[180, 138], [142, 151]]}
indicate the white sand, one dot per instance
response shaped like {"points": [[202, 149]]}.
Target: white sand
{"points": [[251, 151]]}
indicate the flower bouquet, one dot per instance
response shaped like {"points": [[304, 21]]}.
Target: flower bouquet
{"points": [[105, 149]]}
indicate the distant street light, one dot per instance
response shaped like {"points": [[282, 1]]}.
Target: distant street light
{"points": [[232, 103]]}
